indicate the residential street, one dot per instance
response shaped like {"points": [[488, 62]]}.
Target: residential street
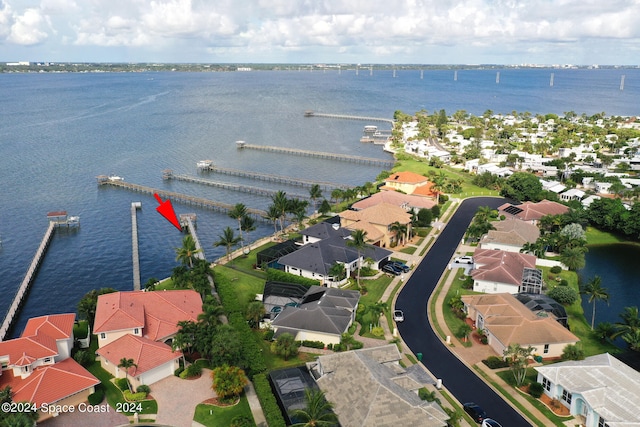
{"points": [[416, 330]]}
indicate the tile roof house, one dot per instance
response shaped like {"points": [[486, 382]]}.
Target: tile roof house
{"points": [[497, 271], [406, 181], [323, 314], [38, 367], [323, 230], [369, 388], [510, 235], [600, 390], [376, 221], [140, 325], [507, 321], [408, 202], [314, 260], [532, 212]]}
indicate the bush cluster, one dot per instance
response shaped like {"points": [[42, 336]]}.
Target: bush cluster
{"points": [[274, 275], [312, 344], [564, 295], [191, 371], [268, 401], [178, 371], [536, 389], [556, 269], [143, 388], [96, 397], [134, 397], [122, 384], [495, 362]]}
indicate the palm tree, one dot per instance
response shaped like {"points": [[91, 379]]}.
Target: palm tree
{"points": [[573, 258], [126, 364], [337, 271], [318, 412], [281, 204], [211, 314], [255, 313], [359, 242], [247, 224], [337, 194], [238, 212], [187, 253], [273, 214], [399, 230], [594, 290], [630, 322], [437, 185], [228, 240], [315, 193]]}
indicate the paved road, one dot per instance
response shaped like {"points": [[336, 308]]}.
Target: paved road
{"points": [[420, 338]]}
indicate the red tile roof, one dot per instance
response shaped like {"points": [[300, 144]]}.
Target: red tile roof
{"points": [[158, 313], [501, 266], [406, 177], [534, 211], [56, 326], [50, 383], [36, 347], [394, 198], [147, 354]]}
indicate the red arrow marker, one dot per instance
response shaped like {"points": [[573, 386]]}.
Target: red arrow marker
{"points": [[166, 210]]}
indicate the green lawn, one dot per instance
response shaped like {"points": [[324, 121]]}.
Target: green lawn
{"points": [[408, 250], [599, 237], [274, 361], [216, 416], [452, 321], [245, 285]]}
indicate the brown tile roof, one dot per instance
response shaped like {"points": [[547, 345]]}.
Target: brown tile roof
{"points": [[56, 326], [534, 211], [394, 198], [512, 231], [158, 312], [50, 383], [147, 354], [512, 322], [382, 213], [501, 266], [406, 177]]}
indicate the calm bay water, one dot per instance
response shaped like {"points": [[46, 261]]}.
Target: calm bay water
{"points": [[58, 131]]}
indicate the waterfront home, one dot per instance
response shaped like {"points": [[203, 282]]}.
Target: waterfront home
{"points": [[509, 235], [141, 325], [505, 321], [408, 202], [38, 367], [369, 387], [497, 271], [600, 390], [405, 181], [321, 314], [377, 221], [532, 211]]}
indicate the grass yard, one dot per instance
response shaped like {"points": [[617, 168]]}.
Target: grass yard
{"points": [[245, 285], [274, 361], [217, 416], [598, 237], [452, 321]]}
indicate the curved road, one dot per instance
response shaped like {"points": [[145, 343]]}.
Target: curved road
{"points": [[420, 338]]}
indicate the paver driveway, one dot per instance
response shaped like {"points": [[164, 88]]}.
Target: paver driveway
{"points": [[177, 398]]}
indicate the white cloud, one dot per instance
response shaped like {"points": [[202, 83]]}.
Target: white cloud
{"points": [[28, 28]]}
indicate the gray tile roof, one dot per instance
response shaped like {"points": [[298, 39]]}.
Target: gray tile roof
{"points": [[369, 388], [324, 230]]}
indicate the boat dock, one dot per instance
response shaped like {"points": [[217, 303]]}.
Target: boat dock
{"points": [[56, 220], [168, 174], [309, 113], [318, 154], [134, 245], [178, 197], [208, 166], [188, 222]]}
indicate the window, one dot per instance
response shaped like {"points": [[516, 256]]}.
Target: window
{"points": [[546, 349], [566, 396], [103, 336], [135, 331], [602, 422], [47, 360], [546, 384]]}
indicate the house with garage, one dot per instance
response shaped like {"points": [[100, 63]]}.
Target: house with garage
{"points": [[408, 202], [322, 314], [38, 365], [377, 221], [532, 211], [369, 387], [505, 321], [497, 271], [600, 390], [509, 235], [141, 325], [406, 182]]}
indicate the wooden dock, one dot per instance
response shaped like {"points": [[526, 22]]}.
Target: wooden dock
{"points": [[349, 117], [318, 154], [207, 166], [192, 229], [26, 282], [226, 185], [134, 245], [179, 197]]}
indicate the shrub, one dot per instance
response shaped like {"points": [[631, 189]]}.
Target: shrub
{"points": [[563, 282], [495, 362], [572, 352], [330, 346], [564, 295], [143, 388], [96, 397], [536, 389], [268, 401], [268, 334], [122, 384], [377, 331], [443, 199], [84, 358], [241, 421], [313, 344], [357, 345], [178, 371], [134, 397], [274, 275], [556, 269], [193, 370]]}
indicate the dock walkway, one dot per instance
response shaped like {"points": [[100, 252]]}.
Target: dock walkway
{"points": [[192, 229], [319, 154], [179, 197], [26, 282], [134, 245], [348, 117]]}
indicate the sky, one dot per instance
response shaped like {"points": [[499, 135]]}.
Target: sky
{"points": [[547, 32]]}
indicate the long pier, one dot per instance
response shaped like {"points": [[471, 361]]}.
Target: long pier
{"points": [[179, 197], [26, 282], [134, 245], [226, 185], [318, 154], [300, 182], [348, 117], [191, 229]]}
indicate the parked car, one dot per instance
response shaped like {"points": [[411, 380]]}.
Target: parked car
{"points": [[464, 260], [391, 269], [475, 412], [401, 265], [488, 422], [398, 316]]}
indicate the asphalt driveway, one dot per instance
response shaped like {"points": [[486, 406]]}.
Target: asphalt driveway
{"points": [[420, 338]]}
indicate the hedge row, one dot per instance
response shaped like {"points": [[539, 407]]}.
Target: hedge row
{"points": [[268, 401], [134, 397], [312, 344], [274, 275]]}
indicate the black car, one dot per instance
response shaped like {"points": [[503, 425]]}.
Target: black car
{"points": [[401, 265], [475, 412], [391, 269]]}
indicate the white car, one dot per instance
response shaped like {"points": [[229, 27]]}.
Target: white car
{"points": [[398, 316], [488, 422], [464, 260]]}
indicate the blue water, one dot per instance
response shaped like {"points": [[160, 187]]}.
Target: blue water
{"points": [[58, 131]]}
